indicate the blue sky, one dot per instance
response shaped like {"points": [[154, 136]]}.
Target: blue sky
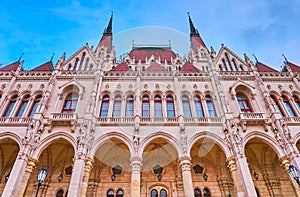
{"points": [[266, 28]]}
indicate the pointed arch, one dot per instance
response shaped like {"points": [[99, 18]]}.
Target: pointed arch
{"points": [[265, 138], [160, 134], [44, 143], [123, 138]]}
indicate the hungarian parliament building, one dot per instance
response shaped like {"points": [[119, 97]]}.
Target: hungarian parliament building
{"points": [[150, 124]]}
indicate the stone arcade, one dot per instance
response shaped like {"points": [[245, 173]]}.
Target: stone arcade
{"points": [[152, 124]]}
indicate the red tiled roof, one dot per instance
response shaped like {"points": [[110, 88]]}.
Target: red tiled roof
{"points": [[294, 67], [143, 53], [264, 68], [44, 67], [106, 42], [187, 67], [10, 67], [155, 67], [197, 42], [122, 67]]}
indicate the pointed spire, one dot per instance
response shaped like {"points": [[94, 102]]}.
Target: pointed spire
{"points": [[285, 59], [193, 30], [108, 29]]}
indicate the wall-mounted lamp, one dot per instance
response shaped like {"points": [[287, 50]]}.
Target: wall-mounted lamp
{"points": [[255, 175]]}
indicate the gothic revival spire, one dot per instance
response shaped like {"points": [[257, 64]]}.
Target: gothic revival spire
{"points": [[108, 29], [193, 30], [106, 40], [196, 40]]}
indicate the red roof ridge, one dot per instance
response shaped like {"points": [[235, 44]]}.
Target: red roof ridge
{"points": [[48, 66], [155, 67], [264, 68], [187, 67], [11, 67], [122, 67], [294, 67]]}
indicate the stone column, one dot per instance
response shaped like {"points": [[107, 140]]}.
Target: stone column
{"points": [[31, 164], [285, 163], [77, 175], [17, 173], [185, 165], [241, 177], [85, 180], [136, 165]]}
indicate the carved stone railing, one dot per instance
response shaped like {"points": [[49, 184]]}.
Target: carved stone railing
{"points": [[292, 120], [253, 117], [63, 119], [15, 121], [202, 120], [115, 120]]}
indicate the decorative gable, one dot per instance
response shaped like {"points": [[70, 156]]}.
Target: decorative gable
{"points": [[123, 67], [155, 67], [83, 59], [187, 67], [226, 60]]}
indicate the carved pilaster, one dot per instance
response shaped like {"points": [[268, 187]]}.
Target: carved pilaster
{"points": [[31, 164]]}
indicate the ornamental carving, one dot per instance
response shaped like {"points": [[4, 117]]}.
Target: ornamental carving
{"points": [[278, 136], [231, 164], [286, 131]]}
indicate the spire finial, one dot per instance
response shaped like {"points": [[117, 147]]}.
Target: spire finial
{"points": [[255, 58], [193, 30], [108, 29], [286, 60], [20, 57], [52, 57]]}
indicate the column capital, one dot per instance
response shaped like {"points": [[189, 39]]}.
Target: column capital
{"points": [[285, 162], [231, 163], [185, 163], [31, 164], [136, 163]]}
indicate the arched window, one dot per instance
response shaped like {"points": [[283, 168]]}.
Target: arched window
{"points": [[163, 193], [278, 108], [86, 63], [170, 107], [241, 67], [75, 64], [145, 107], [23, 105], [120, 193], [154, 193], [117, 106], [81, 61], [157, 106], [197, 193], [11, 104], [70, 103], [224, 64], [69, 66], [35, 105], [110, 193], [198, 106], [206, 192], [297, 101], [227, 58], [104, 106], [243, 102], [220, 67], [235, 66], [60, 193], [186, 106], [129, 106], [210, 106], [288, 106]]}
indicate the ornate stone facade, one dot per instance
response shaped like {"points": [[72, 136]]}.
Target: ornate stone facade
{"points": [[152, 124]]}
